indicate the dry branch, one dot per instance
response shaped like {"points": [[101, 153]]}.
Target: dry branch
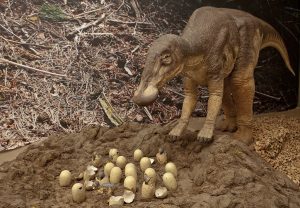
{"points": [[31, 68]]}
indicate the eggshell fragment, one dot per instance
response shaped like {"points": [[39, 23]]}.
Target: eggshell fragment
{"points": [[65, 178], [89, 185], [150, 172], [130, 170], [128, 196], [113, 154], [115, 175], [161, 193], [96, 161], [137, 155], [88, 175], [170, 181], [171, 168], [116, 200], [130, 183], [78, 193], [121, 161], [145, 163]]}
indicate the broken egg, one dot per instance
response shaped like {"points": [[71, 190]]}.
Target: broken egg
{"points": [[148, 191], [115, 175], [137, 155], [78, 193], [103, 181], [113, 154], [121, 161], [170, 181], [151, 175], [130, 183], [89, 185], [161, 156], [65, 178], [145, 163], [128, 196], [171, 168], [79, 177], [161, 192], [107, 168], [130, 170], [96, 161], [116, 200], [88, 175], [91, 168]]}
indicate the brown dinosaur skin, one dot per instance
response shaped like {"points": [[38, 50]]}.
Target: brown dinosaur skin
{"points": [[219, 48]]}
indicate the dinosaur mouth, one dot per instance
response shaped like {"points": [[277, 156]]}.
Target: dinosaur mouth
{"points": [[146, 97]]}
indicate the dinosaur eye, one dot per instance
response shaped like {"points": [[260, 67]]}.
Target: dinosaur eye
{"points": [[166, 59]]}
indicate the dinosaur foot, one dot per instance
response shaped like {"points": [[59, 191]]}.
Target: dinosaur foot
{"points": [[177, 131], [244, 134], [205, 135], [227, 124]]}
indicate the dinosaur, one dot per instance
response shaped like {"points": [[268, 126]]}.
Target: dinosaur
{"points": [[218, 48]]}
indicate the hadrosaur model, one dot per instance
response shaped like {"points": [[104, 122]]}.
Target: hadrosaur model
{"points": [[219, 48]]}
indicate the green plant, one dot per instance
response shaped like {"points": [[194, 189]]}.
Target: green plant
{"points": [[52, 12]]}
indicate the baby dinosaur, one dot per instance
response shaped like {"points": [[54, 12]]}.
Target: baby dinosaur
{"points": [[218, 48]]}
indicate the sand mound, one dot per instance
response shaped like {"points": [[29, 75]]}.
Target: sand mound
{"points": [[223, 174]]}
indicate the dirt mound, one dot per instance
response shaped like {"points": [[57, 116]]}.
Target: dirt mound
{"points": [[223, 174]]}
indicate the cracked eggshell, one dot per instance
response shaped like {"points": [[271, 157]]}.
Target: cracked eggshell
{"points": [[88, 175], [131, 171], [148, 191], [170, 181], [171, 168], [145, 163], [88, 185], [91, 168], [138, 154], [121, 161], [96, 161], [65, 178], [150, 172], [107, 168], [115, 175], [78, 193], [130, 183], [113, 154], [128, 196], [161, 193], [116, 200]]}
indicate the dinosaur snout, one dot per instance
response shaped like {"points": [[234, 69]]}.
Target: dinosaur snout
{"points": [[145, 97]]}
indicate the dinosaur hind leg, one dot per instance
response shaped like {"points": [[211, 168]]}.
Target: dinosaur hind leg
{"points": [[228, 123], [243, 95]]}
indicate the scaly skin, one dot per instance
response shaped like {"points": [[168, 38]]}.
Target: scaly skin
{"points": [[219, 48]]}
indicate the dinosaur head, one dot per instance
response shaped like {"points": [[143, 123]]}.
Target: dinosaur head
{"points": [[165, 60]]}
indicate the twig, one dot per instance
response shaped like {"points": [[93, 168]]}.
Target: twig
{"points": [[88, 25], [91, 11], [269, 96], [148, 113], [110, 112], [129, 23], [97, 34], [135, 6], [31, 68]]}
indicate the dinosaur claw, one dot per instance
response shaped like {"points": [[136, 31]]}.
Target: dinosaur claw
{"points": [[205, 136]]}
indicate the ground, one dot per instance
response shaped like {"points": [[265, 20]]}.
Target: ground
{"points": [[226, 173]]}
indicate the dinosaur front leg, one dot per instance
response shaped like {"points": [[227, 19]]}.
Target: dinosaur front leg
{"points": [[189, 103], [215, 88]]}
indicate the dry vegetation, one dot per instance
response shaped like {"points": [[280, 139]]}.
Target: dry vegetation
{"points": [[58, 58]]}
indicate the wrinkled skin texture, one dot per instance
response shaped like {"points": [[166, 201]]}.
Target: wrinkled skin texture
{"points": [[219, 48]]}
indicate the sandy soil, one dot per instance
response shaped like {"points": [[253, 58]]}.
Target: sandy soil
{"points": [[223, 174]]}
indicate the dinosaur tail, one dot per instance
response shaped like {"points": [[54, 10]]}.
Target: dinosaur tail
{"points": [[271, 38]]}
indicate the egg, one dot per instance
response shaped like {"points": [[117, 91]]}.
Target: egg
{"points": [[130, 165], [65, 178], [171, 168], [148, 191], [161, 193], [130, 183], [130, 171], [170, 181], [115, 175], [116, 200], [151, 174], [78, 193], [107, 168], [145, 163], [137, 155], [121, 161]]}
